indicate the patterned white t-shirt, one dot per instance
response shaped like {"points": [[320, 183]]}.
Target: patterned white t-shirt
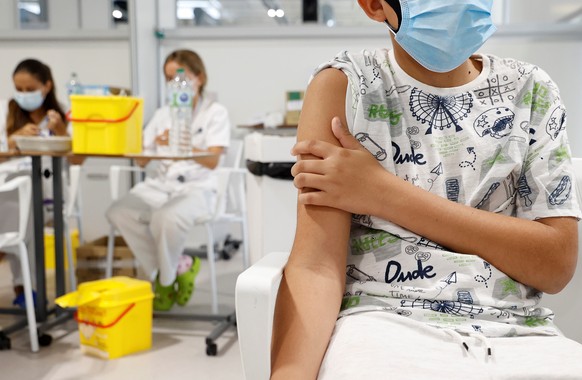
{"points": [[498, 144]]}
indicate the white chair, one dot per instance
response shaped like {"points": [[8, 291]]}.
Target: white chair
{"points": [[257, 287], [230, 208], [72, 210], [256, 293], [13, 243]]}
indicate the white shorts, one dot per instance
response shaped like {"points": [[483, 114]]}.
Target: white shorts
{"points": [[382, 345]]}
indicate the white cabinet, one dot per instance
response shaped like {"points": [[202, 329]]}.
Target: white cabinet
{"points": [[271, 202]]}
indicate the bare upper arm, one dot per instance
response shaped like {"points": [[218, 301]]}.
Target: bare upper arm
{"points": [[322, 233]]}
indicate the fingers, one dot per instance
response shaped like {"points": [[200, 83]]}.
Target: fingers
{"points": [[162, 139], [29, 130], [343, 135], [54, 117], [316, 148], [323, 149], [315, 198], [308, 166], [309, 181]]}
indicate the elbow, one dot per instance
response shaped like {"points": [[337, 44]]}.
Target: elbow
{"points": [[560, 279], [560, 276], [558, 265]]}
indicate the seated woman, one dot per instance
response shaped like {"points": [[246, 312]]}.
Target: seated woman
{"points": [[33, 110], [156, 215]]}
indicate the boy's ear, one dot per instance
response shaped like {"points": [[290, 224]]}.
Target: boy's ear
{"points": [[374, 9]]}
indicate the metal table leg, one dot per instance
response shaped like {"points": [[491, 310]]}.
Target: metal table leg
{"points": [[38, 220], [58, 225]]}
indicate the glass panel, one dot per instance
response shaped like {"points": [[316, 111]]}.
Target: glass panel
{"points": [[32, 14], [119, 12], [348, 13], [266, 12]]}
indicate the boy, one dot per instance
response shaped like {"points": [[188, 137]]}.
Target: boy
{"points": [[463, 213]]}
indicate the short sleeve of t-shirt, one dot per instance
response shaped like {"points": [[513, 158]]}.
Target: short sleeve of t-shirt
{"points": [[345, 62], [547, 186]]}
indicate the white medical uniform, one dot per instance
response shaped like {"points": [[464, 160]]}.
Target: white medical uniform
{"points": [[157, 214]]}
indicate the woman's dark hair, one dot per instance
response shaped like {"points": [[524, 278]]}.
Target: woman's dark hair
{"points": [[17, 117], [192, 61]]}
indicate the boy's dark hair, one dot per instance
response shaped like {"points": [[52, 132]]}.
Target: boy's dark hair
{"points": [[17, 117], [395, 4]]}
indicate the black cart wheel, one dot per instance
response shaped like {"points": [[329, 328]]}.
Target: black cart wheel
{"points": [[4, 342], [211, 349], [45, 340], [225, 255]]}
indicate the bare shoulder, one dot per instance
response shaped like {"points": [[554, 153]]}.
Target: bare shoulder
{"points": [[330, 77], [325, 98]]}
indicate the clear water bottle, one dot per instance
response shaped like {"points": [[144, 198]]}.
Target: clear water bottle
{"points": [[180, 101], [74, 87], [43, 128]]}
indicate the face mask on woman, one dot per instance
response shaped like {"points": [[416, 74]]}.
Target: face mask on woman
{"points": [[442, 34], [29, 101]]}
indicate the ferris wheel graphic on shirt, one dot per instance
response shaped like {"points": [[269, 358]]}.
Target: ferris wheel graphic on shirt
{"points": [[440, 112]]}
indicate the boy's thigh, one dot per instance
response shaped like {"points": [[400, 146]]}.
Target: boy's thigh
{"points": [[381, 345], [537, 357]]}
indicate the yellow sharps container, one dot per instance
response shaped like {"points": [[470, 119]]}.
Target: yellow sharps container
{"points": [[114, 316]]}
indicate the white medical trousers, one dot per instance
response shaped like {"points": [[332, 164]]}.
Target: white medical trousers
{"points": [[155, 219]]}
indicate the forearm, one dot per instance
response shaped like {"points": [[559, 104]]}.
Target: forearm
{"points": [[211, 161], [307, 307], [310, 294], [535, 253]]}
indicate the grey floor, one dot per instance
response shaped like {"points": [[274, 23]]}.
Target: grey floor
{"points": [[178, 351]]}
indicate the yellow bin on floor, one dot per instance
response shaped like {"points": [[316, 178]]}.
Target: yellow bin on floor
{"points": [[114, 316], [49, 248]]}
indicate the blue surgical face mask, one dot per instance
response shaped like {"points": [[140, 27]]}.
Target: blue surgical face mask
{"points": [[29, 101], [442, 34]]}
